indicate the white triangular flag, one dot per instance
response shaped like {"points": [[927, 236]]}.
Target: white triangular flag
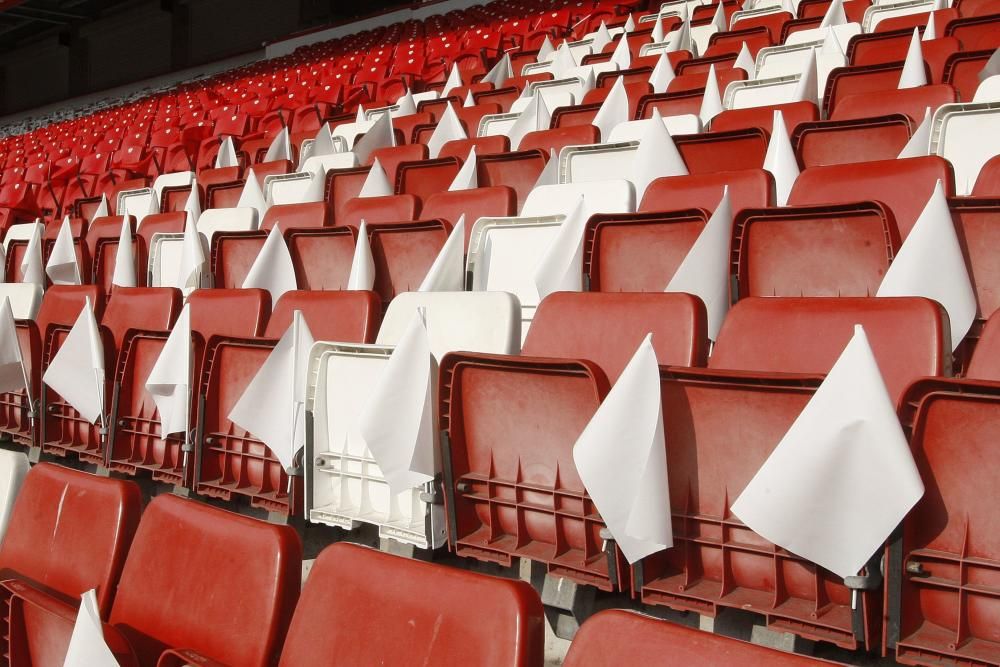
{"points": [[562, 61], [745, 62], [807, 90], [252, 196], [930, 264], [914, 73], [919, 143], [711, 101], [13, 375], [102, 209], [466, 178], [500, 72], [930, 31], [780, 160], [454, 81], [406, 105], [32, 266], [376, 182], [589, 81], [682, 40], [447, 273], [397, 424], [622, 55], [534, 117], [832, 50], [169, 382], [992, 67], [550, 173], [842, 477], [657, 156], [719, 20], [613, 111], [280, 148], [621, 458], [272, 407], [192, 206], [87, 647], [834, 15], [62, 267], [359, 117], [705, 269], [362, 276], [545, 50], [657, 35], [601, 38], [192, 260], [469, 101], [561, 267], [227, 155], [273, 269], [124, 274], [629, 24], [449, 128], [662, 74], [379, 135], [323, 142], [77, 371]]}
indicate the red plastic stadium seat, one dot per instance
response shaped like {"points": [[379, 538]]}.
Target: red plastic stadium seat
{"points": [[671, 104], [947, 549], [232, 254], [391, 208], [723, 151], [845, 81], [498, 201], [910, 101], [902, 185], [343, 185], [975, 32], [426, 177], [391, 156], [459, 148], [807, 334], [962, 71], [403, 253], [374, 609], [985, 364], [847, 141], [988, 181], [290, 216], [142, 308], [977, 223], [748, 188], [555, 139], [696, 80], [137, 443], [69, 532], [793, 113], [838, 250], [616, 637], [518, 170], [322, 257], [102, 248]]}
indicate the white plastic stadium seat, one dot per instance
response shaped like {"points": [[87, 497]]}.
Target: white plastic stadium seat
{"points": [[967, 135], [616, 196]]}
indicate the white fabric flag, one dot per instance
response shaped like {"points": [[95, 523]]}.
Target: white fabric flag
{"points": [[13, 375], [662, 74], [87, 647], [914, 73], [154, 209], [359, 116], [124, 274], [719, 22], [280, 148], [711, 101], [622, 55], [992, 67], [629, 24], [102, 209], [169, 382], [535, 116], [449, 128], [62, 267], [621, 457], [77, 371], [469, 100], [406, 105], [252, 196], [705, 269], [807, 89], [835, 15], [376, 182], [681, 38], [192, 258], [192, 206], [500, 72], [545, 50], [273, 269], [601, 38], [745, 61], [272, 407], [561, 267], [930, 31], [562, 61], [613, 111], [657, 35], [454, 81], [398, 422], [550, 173], [362, 276], [447, 273], [226, 156], [842, 477], [466, 178], [919, 144], [379, 135], [930, 264], [656, 156], [32, 267], [780, 160], [322, 143]]}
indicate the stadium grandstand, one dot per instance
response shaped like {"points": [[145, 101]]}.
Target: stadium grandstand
{"points": [[511, 333]]}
